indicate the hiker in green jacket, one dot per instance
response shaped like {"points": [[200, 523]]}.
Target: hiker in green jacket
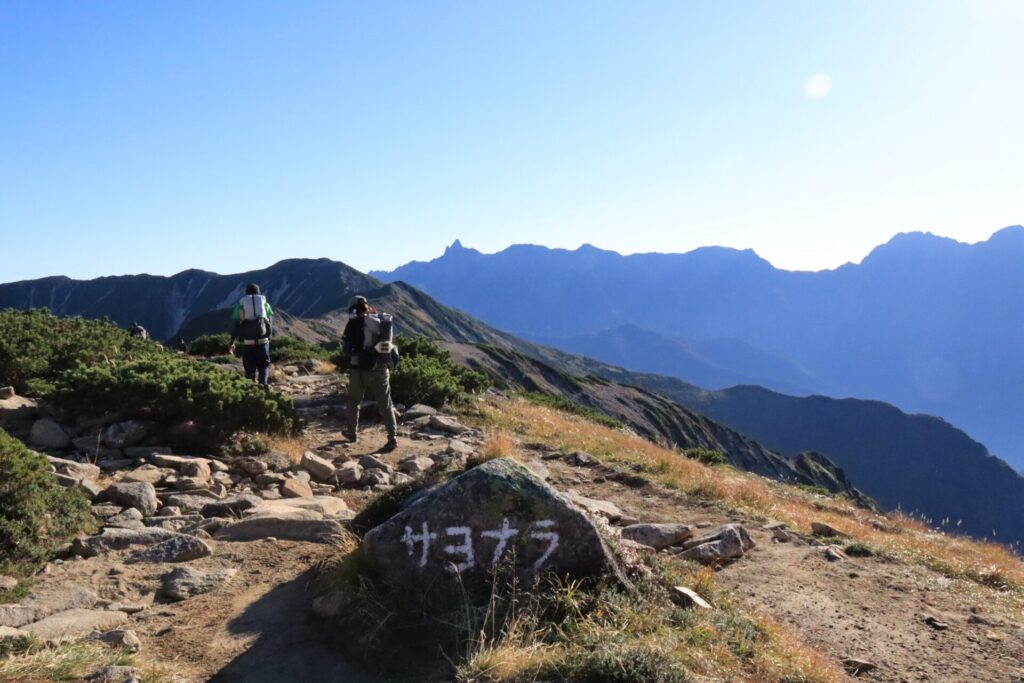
{"points": [[253, 328], [370, 353]]}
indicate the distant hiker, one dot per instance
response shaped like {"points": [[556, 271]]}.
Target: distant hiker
{"points": [[253, 328], [138, 331], [182, 345], [370, 355]]}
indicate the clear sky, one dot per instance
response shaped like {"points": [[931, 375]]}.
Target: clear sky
{"points": [[157, 136]]}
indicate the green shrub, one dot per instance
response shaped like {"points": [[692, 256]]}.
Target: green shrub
{"points": [[282, 349], [427, 374], [36, 513], [171, 389], [210, 345], [705, 456], [858, 550], [37, 348], [567, 406]]}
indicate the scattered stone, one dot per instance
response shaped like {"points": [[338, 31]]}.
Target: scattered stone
{"points": [[822, 529], [47, 433], [321, 469], [934, 622], [296, 488], [417, 411], [251, 466], [186, 582], [140, 495], [6, 393], [856, 667], [416, 465], [376, 478], [14, 639], [287, 526], [179, 548], [194, 501], [168, 511], [514, 516], [127, 433], [119, 539], [42, 604], [372, 462], [17, 412], [728, 542], [686, 598], [129, 519], [79, 470], [782, 536], [833, 554], [231, 507], [539, 468], [458, 447], [658, 536], [105, 510], [601, 508], [581, 459], [399, 478], [115, 674], [74, 624], [325, 506], [108, 465], [123, 639], [447, 424], [7, 583]]}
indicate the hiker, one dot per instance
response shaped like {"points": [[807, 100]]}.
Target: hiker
{"points": [[253, 328], [138, 331], [182, 345], [370, 355]]}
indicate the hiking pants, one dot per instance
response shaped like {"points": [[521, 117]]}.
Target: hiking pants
{"points": [[377, 382], [256, 361]]}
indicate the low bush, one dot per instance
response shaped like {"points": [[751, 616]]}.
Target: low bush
{"points": [[37, 348], [428, 374], [705, 456], [210, 345], [171, 389], [282, 349], [36, 513], [567, 406]]}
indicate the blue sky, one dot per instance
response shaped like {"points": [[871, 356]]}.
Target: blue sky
{"points": [[158, 136]]}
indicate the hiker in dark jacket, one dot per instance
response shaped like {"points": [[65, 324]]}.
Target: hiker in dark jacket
{"points": [[253, 329], [138, 331], [369, 352]]}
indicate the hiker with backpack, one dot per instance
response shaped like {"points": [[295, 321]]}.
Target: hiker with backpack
{"points": [[253, 330], [138, 331], [370, 355]]}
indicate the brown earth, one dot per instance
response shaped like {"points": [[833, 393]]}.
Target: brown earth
{"points": [[259, 626]]}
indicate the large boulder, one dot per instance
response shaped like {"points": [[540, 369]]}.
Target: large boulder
{"points": [[179, 548], [496, 513], [16, 412], [140, 495], [78, 470], [47, 433], [321, 468]]}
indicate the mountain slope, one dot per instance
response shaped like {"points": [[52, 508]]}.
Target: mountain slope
{"points": [[304, 287], [927, 323]]}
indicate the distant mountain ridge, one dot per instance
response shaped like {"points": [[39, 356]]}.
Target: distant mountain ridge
{"points": [[880, 443], [925, 322]]}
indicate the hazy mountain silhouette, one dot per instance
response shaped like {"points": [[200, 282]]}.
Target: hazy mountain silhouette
{"points": [[928, 323]]}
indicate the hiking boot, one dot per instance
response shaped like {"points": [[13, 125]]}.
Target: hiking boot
{"points": [[391, 445]]}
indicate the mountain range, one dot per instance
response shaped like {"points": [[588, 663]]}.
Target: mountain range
{"points": [[921, 464], [927, 323]]}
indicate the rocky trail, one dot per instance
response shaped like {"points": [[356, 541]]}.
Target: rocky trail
{"points": [[206, 568]]}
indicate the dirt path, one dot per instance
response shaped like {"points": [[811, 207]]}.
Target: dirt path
{"points": [[869, 609]]}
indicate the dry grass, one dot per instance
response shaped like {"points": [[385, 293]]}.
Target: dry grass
{"points": [[899, 537], [74, 661], [642, 636], [292, 446], [323, 367], [499, 444]]}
